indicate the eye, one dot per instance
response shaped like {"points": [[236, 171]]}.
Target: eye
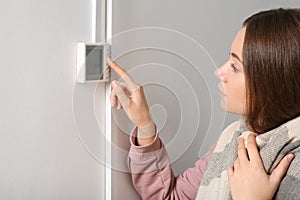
{"points": [[233, 67]]}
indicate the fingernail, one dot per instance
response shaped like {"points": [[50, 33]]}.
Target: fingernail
{"points": [[290, 157]]}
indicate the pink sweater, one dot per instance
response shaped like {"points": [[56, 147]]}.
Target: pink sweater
{"points": [[152, 174]]}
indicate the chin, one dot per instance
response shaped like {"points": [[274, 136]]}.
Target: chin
{"points": [[223, 105], [229, 109]]}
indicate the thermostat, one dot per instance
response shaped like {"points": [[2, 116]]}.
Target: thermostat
{"points": [[91, 62]]}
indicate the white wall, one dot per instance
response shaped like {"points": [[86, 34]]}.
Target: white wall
{"points": [[212, 24], [41, 153]]}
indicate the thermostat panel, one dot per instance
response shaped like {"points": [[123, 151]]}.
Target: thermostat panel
{"points": [[91, 62]]}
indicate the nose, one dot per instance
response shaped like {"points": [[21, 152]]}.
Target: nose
{"points": [[220, 73], [217, 73]]}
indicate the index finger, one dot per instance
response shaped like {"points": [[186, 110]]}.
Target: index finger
{"points": [[252, 149], [242, 151], [123, 74]]}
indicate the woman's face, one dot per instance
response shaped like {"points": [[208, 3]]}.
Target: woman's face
{"points": [[232, 80]]}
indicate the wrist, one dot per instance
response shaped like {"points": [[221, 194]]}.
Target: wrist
{"points": [[147, 130], [146, 134], [146, 122]]}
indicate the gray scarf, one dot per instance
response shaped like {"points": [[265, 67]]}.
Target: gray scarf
{"points": [[272, 145]]}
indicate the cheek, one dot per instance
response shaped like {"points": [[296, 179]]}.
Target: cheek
{"points": [[236, 97], [240, 91]]}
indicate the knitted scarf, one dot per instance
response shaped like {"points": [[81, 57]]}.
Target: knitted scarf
{"points": [[272, 146]]}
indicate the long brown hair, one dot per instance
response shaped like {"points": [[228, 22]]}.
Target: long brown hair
{"points": [[271, 59]]}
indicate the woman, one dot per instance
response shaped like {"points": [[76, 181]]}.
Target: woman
{"points": [[261, 82]]}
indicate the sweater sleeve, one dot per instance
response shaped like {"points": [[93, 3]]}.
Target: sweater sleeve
{"points": [[152, 174]]}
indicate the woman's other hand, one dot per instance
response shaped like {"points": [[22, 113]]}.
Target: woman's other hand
{"points": [[247, 176]]}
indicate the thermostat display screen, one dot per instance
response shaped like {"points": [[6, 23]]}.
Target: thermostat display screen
{"points": [[94, 60]]}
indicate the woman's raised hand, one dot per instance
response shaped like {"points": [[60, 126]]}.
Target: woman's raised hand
{"points": [[130, 96]]}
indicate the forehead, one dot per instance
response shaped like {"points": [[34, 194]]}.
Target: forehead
{"points": [[237, 44]]}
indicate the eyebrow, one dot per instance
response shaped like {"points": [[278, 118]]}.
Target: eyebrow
{"points": [[235, 56]]}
